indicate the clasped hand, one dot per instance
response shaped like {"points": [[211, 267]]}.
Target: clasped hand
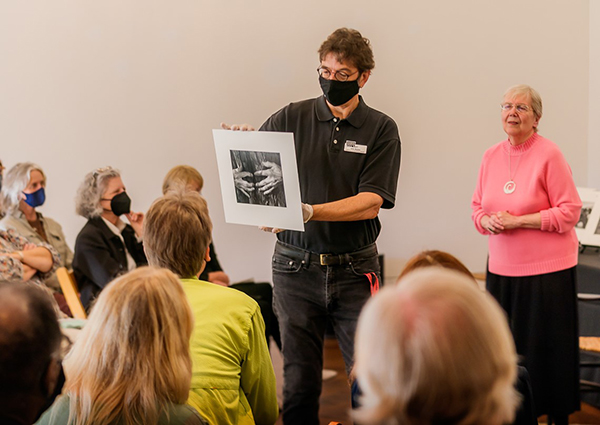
{"points": [[273, 177], [499, 222]]}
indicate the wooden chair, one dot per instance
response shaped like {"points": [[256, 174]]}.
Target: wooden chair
{"points": [[590, 344], [69, 289]]}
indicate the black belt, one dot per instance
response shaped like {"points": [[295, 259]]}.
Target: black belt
{"points": [[325, 259]]}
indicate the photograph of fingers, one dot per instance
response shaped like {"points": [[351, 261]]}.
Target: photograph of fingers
{"points": [[258, 178]]}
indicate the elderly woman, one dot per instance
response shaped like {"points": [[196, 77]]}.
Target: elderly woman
{"points": [[131, 363], [22, 192], [527, 203], [435, 350], [106, 246]]}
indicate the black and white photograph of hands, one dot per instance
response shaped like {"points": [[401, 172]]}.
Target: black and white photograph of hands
{"points": [[258, 178]]}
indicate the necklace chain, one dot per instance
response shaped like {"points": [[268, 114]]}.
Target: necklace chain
{"points": [[510, 185]]}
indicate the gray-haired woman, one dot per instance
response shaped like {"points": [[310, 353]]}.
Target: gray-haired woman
{"points": [[23, 190], [106, 246]]}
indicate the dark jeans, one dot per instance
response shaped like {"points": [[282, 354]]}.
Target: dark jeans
{"points": [[306, 296], [262, 293]]}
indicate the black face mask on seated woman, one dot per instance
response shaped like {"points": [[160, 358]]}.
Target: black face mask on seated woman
{"points": [[120, 204]]}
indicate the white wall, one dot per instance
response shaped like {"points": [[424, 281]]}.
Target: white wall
{"points": [[140, 84], [594, 109]]}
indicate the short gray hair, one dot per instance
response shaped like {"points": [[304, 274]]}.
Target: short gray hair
{"points": [[536, 99], [89, 194], [14, 183], [435, 349]]}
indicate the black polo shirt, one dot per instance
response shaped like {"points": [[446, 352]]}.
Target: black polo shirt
{"points": [[338, 159]]}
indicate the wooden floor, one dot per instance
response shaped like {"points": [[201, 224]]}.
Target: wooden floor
{"points": [[335, 399]]}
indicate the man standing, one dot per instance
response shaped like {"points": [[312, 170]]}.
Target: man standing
{"points": [[31, 375], [348, 163]]}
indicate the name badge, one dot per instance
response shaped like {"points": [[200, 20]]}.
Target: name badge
{"points": [[352, 146]]}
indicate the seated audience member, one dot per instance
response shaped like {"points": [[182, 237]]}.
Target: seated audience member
{"points": [[233, 380], [526, 412], [435, 349], [131, 362], [22, 192], [435, 258], [25, 262], [184, 177], [30, 369], [106, 246]]}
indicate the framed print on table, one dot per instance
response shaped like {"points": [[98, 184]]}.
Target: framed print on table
{"points": [[588, 197], [592, 230], [259, 178]]}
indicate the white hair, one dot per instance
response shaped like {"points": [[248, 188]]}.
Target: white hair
{"points": [[89, 194], [435, 349], [14, 183]]}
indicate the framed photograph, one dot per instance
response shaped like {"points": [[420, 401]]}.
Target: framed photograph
{"points": [[259, 178], [592, 230], [588, 198]]}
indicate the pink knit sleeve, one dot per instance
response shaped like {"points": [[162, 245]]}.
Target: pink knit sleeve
{"points": [[565, 203], [478, 211]]}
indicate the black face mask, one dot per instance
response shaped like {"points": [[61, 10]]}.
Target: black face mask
{"points": [[120, 204], [338, 92], [60, 382]]}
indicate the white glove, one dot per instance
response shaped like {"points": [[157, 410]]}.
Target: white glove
{"points": [[307, 212], [270, 229]]}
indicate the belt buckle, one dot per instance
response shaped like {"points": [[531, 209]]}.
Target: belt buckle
{"points": [[323, 258]]}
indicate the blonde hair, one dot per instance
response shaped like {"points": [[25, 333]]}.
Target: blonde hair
{"points": [[132, 358], [177, 232], [14, 183], [435, 349], [534, 96], [181, 175], [435, 258]]}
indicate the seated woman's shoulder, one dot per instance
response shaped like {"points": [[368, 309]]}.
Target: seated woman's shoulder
{"points": [[177, 414]]}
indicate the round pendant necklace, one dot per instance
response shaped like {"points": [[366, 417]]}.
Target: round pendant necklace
{"points": [[510, 185]]}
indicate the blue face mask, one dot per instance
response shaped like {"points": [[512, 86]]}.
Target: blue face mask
{"points": [[36, 198]]}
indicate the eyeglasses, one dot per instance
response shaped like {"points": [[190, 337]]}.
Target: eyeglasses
{"points": [[338, 75], [519, 107], [99, 171]]}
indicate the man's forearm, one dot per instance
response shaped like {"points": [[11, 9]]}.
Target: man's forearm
{"points": [[363, 206]]}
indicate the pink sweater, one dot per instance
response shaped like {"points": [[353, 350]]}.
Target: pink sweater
{"points": [[544, 184]]}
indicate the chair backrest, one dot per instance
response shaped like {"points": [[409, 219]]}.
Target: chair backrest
{"points": [[69, 289]]}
